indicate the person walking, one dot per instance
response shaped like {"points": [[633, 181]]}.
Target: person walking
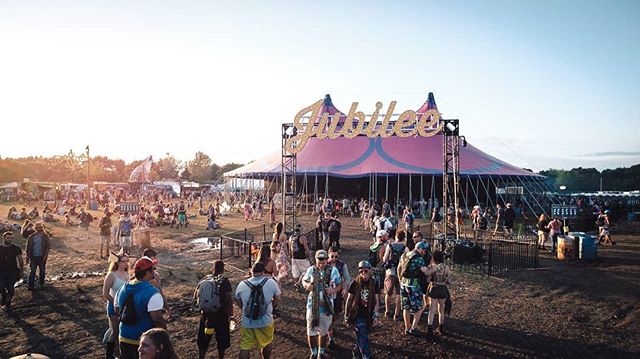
{"points": [[117, 276], [345, 279], [38, 246], [299, 250], [412, 297], [499, 219], [140, 306], [334, 226], [124, 233], [361, 309], [105, 234], [376, 256], [257, 319], [85, 220], [214, 298], [391, 258], [439, 277], [11, 268], [322, 281], [554, 231], [543, 231], [509, 220]]}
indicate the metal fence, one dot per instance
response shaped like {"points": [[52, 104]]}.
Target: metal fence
{"points": [[493, 257], [244, 245]]}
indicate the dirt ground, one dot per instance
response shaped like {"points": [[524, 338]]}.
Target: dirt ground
{"points": [[562, 310]]}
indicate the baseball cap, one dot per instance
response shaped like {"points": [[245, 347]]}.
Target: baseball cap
{"points": [[381, 233], [364, 264], [144, 263], [258, 268], [422, 245], [298, 227], [322, 254]]}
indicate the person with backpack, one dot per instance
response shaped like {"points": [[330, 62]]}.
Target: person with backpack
{"points": [[299, 250], [214, 300], [412, 296], [124, 233], [409, 219], [343, 269], [333, 229], [361, 308], [256, 297], [139, 305], [376, 255], [105, 234], [391, 258], [322, 281]]}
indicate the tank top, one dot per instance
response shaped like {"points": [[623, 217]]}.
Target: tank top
{"points": [[117, 284], [298, 248]]}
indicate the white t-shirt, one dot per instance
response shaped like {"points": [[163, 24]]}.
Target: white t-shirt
{"points": [[270, 289], [155, 303]]}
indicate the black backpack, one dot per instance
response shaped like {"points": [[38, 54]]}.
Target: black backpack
{"points": [[600, 221], [374, 257], [257, 305], [128, 312], [437, 217], [394, 259]]}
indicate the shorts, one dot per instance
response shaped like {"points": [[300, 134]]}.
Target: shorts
{"points": [[337, 304], [104, 238], [256, 337], [221, 332], [391, 285], [324, 322], [438, 291], [182, 217], [125, 241], [412, 298], [299, 267], [508, 224], [111, 311]]}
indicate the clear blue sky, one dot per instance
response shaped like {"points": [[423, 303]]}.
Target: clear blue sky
{"points": [[539, 84]]}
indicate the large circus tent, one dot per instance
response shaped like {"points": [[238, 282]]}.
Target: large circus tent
{"points": [[407, 169]]}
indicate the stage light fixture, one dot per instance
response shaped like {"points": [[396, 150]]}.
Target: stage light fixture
{"points": [[451, 127]]}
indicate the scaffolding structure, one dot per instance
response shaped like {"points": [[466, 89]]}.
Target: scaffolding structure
{"points": [[288, 180], [451, 177]]}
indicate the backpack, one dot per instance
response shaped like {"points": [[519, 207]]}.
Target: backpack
{"points": [[600, 221], [128, 313], [405, 264], [437, 217], [256, 307], [394, 259], [209, 299], [333, 226], [125, 228], [374, 257]]}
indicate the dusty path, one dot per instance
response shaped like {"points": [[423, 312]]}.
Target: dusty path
{"points": [[569, 310]]}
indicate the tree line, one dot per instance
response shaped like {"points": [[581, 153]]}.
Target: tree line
{"points": [[589, 179], [73, 168]]}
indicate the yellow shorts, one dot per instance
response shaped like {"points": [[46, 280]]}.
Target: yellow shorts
{"points": [[256, 337]]}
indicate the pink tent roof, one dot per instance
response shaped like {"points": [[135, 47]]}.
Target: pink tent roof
{"points": [[361, 156]]}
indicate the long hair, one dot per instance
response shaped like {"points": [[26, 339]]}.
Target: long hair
{"points": [[278, 230], [264, 255], [162, 341]]}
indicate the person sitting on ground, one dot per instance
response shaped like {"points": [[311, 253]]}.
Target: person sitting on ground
{"points": [[22, 215], [27, 229], [156, 344], [48, 217], [34, 213], [215, 321]]}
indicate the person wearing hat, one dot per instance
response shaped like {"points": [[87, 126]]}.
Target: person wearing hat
{"points": [[322, 281], [147, 302], [299, 249], [376, 256], [411, 294], [361, 309], [38, 246], [257, 332], [11, 268]]}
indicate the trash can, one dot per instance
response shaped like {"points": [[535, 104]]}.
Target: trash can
{"points": [[566, 248]]}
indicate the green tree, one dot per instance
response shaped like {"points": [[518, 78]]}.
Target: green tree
{"points": [[200, 168]]}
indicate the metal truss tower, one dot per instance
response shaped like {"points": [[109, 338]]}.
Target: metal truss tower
{"points": [[451, 176], [288, 180]]}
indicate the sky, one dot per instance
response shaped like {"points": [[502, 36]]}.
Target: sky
{"points": [[539, 84]]}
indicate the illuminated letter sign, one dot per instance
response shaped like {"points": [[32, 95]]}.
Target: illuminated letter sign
{"points": [[409, 123]]}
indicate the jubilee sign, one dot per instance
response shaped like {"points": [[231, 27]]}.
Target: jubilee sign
{"points": [[407, 124]]}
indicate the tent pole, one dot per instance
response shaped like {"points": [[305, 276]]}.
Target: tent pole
{"points": [[464, 198], [410, 202], [527, 202], [466, 191], [488, 200], [473, 190], [432, 196], [326, 186], [397, 195], [497, 194], [532, 195], [421, 207], [386, 188]]}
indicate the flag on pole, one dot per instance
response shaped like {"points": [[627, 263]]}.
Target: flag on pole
{"points": [[140, 174]]}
